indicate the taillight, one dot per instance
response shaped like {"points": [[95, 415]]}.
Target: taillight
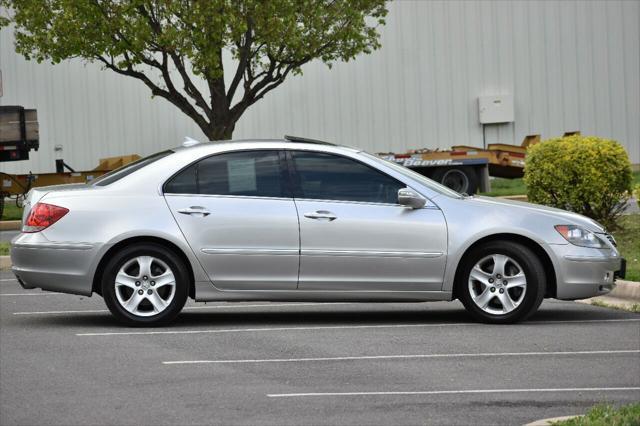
{"points": [[42, 216]]}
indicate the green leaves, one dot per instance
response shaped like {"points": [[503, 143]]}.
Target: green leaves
{"points": [[152, 39]]}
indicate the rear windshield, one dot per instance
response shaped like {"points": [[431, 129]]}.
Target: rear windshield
{"points": [[117, 174]]}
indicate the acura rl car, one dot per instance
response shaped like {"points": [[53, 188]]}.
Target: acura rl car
{"points": [[300, 220]]}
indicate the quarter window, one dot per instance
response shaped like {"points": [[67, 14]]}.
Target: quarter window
{"points": [[324, 176], [245, 173]]}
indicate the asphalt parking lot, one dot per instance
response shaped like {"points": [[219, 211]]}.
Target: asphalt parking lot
{"points": [[63, 360]]}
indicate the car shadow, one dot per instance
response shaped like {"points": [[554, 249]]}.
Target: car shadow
{"points": [[353, 314]]}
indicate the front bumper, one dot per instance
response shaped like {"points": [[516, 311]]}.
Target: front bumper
{"points": [[53, 266], [586, 272]]}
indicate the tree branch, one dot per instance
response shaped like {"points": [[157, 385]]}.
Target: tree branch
{"points": [[189, 88], [170, 94], [245, 56]]}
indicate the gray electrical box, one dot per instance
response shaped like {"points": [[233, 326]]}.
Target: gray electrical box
{"points": [[495, 109]]}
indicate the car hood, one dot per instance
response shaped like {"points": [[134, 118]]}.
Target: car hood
{"points": [[564, 217]]}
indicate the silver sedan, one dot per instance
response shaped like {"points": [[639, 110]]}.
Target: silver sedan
{"points": [[292, 220]]}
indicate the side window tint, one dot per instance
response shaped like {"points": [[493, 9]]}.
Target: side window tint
{"points": [[184, 182], [247, 173], [330, 177]]}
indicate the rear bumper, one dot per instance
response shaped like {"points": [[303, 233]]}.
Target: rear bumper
{"points": [[586, 272], [62, 267]]}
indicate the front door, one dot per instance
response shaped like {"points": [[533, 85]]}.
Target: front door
{"points": [[239, 219], [354, 235]]}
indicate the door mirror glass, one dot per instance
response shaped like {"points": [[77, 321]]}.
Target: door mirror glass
{"points": [[408, 197]]}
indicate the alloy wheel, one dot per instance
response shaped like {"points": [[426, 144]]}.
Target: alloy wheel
{"points": [[497, 284], [145, 286]]}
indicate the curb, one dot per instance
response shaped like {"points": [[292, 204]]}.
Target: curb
{"points": [[550, 420], [5, 263], [10, 225], [626, 290]]}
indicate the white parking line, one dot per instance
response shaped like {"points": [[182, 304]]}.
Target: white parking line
{"points": [[85, 311], [450, 392], [8, 279], [337, 327], [35, 294], [188, 308], [418, 356]]}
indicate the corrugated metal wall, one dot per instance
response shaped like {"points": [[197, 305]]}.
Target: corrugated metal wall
{"points": [[571, 65]]}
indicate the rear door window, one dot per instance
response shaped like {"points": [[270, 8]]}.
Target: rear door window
{"points": [[245, 173]]}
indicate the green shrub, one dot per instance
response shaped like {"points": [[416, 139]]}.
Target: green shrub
{"points": [[585, 174]]}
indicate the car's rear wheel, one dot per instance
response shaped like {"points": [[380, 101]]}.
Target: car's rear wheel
{"points": [[501, 282], [145, 285]]}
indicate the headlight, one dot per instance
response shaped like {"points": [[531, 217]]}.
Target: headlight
{"points": [[580, 237]]}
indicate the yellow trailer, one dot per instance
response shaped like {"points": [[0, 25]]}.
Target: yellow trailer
{"points": [[467, 168]]}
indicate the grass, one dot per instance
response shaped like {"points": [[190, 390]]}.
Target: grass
{"points": [[11, 211], [501, 187], [628, 239], [606, 415], [635, 308], [4, 248]]}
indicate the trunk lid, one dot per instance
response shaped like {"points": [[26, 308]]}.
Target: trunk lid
{"points": [[36, 194]]}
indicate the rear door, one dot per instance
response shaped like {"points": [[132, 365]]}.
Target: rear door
{"points": [[355, 236], [238, 216]]}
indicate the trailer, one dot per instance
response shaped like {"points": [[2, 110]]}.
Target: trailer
{"points": [[466, 169], [18, 133]]}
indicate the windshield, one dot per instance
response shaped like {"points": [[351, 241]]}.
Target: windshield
{"points": [[119, 173], [431, 184]]}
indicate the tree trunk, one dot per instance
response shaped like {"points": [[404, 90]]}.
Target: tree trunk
{"points": [[221, 121], [219, 131]]}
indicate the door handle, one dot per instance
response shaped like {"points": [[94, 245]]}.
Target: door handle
{"points": [[321, 214], [195, 210]]}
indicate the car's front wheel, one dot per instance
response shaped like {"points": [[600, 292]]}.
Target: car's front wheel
{"points": [[501, 282], [145, 285]]}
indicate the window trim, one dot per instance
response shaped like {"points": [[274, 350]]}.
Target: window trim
{"points": [[284, 176], [98, 181], [296, 188]]}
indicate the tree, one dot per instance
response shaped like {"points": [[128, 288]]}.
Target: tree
{"points": [[171, 43]]}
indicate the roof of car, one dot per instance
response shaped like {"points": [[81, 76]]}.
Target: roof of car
{"points": [[190, 143]]}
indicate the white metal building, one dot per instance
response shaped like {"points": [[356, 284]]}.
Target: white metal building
{"points": [[569, 65]]}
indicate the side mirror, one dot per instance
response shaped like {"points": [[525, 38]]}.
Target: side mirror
{"points": [[409, 198]]}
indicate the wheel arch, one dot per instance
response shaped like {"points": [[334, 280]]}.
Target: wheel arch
{"points": [[96, 284], [533, 245]]}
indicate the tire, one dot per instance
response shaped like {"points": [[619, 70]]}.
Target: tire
{"points": [[145, 285], [460, 179], [479, 272]]}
